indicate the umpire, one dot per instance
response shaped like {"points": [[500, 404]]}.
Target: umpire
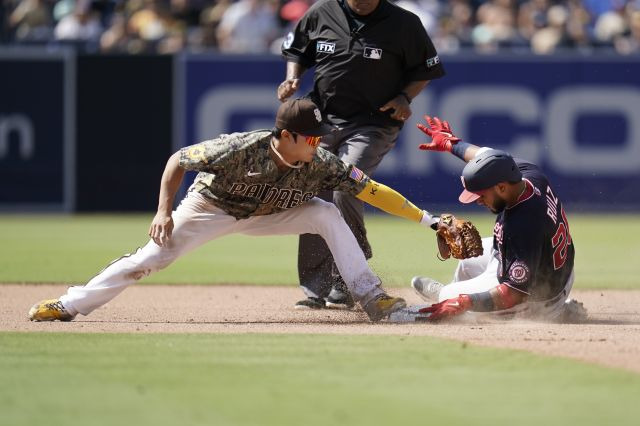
{"points": [[371, 59]]}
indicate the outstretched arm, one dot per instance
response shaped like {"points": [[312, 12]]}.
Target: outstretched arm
{"points": [[498, 298], [162, 224], [392, 202], [443, 139]]}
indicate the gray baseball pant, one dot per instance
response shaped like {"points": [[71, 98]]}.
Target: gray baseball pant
{"points": [[364, 147]]}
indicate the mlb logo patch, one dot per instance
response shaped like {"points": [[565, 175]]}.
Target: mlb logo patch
{"points": [[325, 47], [372, 53]]}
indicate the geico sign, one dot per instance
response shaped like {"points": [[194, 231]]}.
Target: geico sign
{"points": [[558, 117], [22, 128], [555, 146]]}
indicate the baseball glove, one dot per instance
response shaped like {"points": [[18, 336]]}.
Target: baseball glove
{"points": [[458, 238]]}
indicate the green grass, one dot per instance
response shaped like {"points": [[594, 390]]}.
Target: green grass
{"points": [[201, 379], [71, 249]]}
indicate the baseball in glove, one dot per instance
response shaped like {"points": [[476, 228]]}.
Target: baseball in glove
{"points": [[458, 238]]}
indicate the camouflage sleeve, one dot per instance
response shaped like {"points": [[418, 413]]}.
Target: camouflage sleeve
{"points": [[204, 156], [342, 176]]}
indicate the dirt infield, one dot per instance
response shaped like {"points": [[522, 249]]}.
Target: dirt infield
{"points": [[610, 337]]}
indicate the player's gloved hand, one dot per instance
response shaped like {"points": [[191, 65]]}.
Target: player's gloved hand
{"points": [[428, 220], [161, 228], [288, 88], [442, 139], [448, 308]]}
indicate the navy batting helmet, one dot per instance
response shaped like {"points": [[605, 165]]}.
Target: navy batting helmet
{"points": [[486, 170]]}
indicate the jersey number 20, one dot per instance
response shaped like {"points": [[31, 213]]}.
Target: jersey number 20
{"points": [[560, 241]]}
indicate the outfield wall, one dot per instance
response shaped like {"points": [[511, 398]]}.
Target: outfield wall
{"points": [[37, 130], [115, 120], [578, 117]]}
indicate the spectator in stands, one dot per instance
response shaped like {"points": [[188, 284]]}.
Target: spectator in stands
{"points": [[31, 21], [578, 34], [187, 11], [116, 38], [630, 43], [248, 26], [426, 10], [599, 7], [63, 8], [461, 26], [255, 26], [547, 39], [496, 25], [151, 21], [532, 16], [205, 35], [81, 25], [445, 37], [609, 27]]}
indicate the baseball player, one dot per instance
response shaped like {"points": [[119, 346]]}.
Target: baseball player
{"points": [[527, 267], [261, 182]]}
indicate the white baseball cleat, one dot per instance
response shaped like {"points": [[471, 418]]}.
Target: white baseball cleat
{"points": [[426, 288]]}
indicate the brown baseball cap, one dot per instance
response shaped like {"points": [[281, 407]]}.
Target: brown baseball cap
{"points": [[303, 117]]}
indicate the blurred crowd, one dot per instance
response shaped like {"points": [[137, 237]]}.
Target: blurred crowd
{"points": [[257, 26]]}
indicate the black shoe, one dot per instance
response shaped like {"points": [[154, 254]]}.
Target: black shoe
{"points": [[310, 303], [339, 299]]}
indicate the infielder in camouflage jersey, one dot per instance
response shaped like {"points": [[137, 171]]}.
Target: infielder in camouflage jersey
{"points": [[255, 183]]}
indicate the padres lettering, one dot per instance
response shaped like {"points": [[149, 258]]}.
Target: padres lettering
{"points": [[267, 194]]}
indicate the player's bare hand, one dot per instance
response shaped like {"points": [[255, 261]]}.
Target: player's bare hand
{"points": [[399, 106], [161, 228], [288, 88], [442, 139]]}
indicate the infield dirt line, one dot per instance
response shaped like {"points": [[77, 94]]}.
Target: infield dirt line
{"points": [[611, 337]]}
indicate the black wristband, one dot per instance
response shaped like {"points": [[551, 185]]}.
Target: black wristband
{"points": [[459, 148], [407, 97], [482, 302]]}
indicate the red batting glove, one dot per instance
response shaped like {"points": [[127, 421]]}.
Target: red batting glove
{"points": [[448, 308], [442, 139]]}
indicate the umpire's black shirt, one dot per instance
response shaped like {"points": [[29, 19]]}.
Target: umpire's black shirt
{"points": [[362, 62]]}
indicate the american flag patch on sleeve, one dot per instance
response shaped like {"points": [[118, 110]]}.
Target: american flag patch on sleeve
{"points": [[356, 174]]}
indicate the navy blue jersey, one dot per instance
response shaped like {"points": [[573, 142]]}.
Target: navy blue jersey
{"points": [[533, 240]]}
